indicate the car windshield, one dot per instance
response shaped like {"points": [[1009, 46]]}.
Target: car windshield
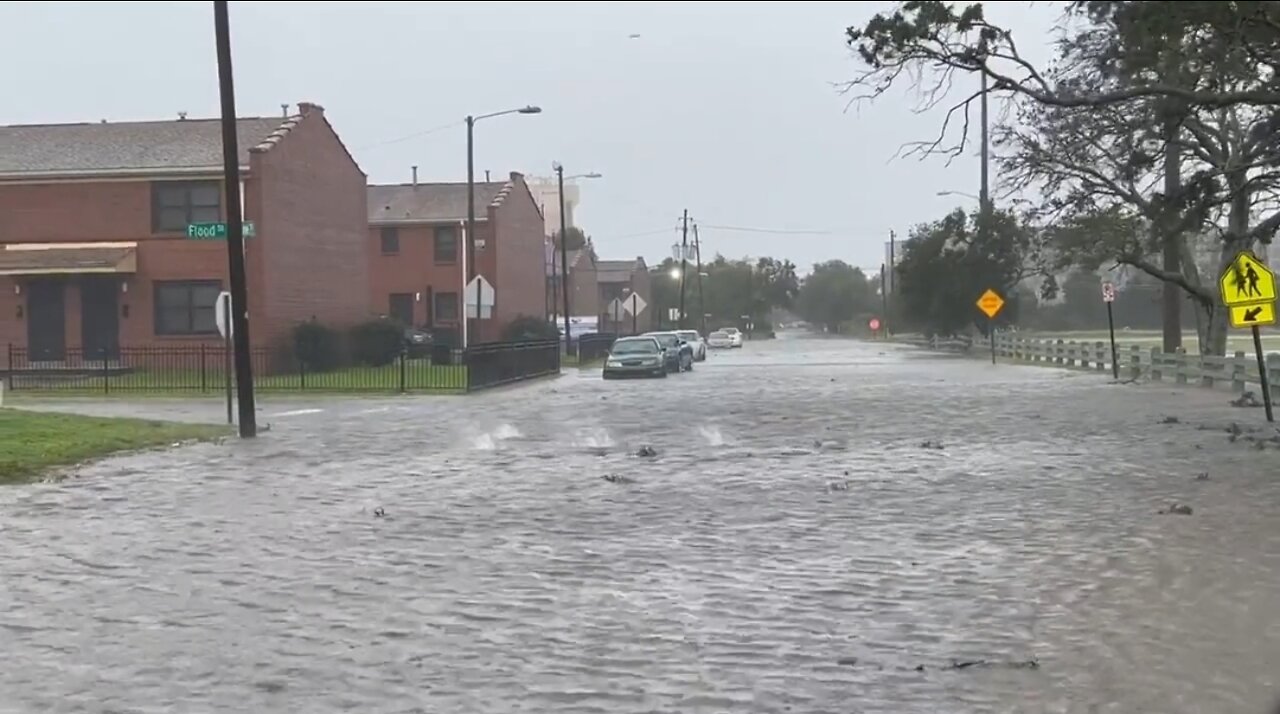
{"points": [[718, 336], [634, 347], [667, 340], [689, 336]]}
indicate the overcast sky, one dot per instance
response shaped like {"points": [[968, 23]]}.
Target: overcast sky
{"points": [[728, 110]]}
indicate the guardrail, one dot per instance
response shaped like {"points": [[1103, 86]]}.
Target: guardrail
{"points": [[1238, 370]]}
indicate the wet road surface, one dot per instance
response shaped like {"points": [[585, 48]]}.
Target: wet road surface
{"points": [[794, 546]]}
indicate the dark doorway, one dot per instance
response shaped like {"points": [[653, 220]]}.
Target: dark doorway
{"points": [[46, 321], [401, 308], [100, 318]]}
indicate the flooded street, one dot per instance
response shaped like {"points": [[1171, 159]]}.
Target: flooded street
{"points": [[794, 546]]}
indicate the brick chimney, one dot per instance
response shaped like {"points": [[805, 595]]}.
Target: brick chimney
{"points": [[305, 108]]}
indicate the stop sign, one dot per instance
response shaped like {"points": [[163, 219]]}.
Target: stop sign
{"points": [[874, 324]]}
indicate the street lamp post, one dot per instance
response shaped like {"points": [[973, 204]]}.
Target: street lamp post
{"points": [[472, 268], [564, 245]]}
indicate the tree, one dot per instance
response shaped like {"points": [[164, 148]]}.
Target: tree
{"points": [[833, 294], [576, 239], [731, 289], [948, 264], [1154, 117]]}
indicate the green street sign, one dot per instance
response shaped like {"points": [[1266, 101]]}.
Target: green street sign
{"points": [[215, 231]]}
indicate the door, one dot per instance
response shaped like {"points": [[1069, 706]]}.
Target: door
{"points": [[46, 321], [401, 308], [99, 318]]}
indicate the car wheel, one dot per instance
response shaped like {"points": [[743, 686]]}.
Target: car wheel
{"points": [[662, 374]]}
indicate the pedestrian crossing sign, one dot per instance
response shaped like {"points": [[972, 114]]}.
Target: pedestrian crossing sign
{"points": [[1247, 281]]}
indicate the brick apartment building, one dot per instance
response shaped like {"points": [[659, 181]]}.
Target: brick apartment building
{"points": [[617, 279], [416, 248], [584, 292], [94, 229]]}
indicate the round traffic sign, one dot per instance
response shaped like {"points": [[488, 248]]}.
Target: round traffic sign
{"points": [[874, 324]]}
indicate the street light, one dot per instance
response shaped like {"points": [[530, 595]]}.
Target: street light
{"points": [[472, 267], [564, 244]]}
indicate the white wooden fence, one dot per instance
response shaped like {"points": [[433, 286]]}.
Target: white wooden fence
{"points": [[1237, 371]]}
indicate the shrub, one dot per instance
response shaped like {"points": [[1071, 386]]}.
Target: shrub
{"points": [[317, 347], [526, 328], [376, 342]]}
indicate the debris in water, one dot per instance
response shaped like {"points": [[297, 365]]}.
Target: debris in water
{"points": [[967, 664], [931, 444], [847, 661], [1203, 476], [1235, 429], [1246, 401], [379, 512], [817, 443], [838, 486], [617, 478], [646, 452], [1177, 509], [1170, 420]]}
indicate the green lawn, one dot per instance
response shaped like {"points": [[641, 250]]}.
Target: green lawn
{"points": [[1240, 340], [417, 376], [35, 442]]}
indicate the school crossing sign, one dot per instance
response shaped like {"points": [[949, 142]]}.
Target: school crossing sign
{"points": [[1248, 290]]}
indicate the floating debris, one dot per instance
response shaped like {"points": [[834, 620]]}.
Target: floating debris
{"points": [[646, 452], [968, 664], [931, 444], [1202, 476], [847, 661], [838, 486], [617, 478], [1246, 401], [1170, 420], [379, 511], [1176, 509]]}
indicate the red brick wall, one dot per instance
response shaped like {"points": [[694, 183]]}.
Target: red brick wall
{"points": [[412, 270], [314, 230], [86, 211], [521, 278]]}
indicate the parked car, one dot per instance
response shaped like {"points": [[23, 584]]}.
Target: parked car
{"points": [[635, 357], [417, 342], [679, 354], [719, 340], [695, 341], [735, 336]]}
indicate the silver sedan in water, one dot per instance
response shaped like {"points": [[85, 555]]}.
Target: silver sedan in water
{"points": [[635, 357]]}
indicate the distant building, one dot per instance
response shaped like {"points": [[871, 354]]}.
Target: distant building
{"points": [[546, 193], [617, 279], [99, 250], [416, 248]]}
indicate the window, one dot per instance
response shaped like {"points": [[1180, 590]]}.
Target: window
{"points": [[390, 240], [447, 307], [186, 308], [401, 308], [175, 204], [446, 239]]}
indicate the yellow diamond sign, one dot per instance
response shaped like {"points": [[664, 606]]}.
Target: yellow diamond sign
{"points": [[990, 303], [1247, 281]]}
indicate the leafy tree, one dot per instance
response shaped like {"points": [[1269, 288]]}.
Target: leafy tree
{"points": [[730, 289], [947, 265], [1155, 118], [833, 294], [576, 239]]}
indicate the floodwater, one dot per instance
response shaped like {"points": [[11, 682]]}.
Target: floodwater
{"points": [[794, 546]]}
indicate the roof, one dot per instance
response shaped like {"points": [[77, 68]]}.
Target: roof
{"points": [[616, 271], [54, 259], [432, 202], [572, 258], [147, 147]]}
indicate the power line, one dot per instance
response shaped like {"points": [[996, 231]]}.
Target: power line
{"points": [[407, 137], [744, 229]]}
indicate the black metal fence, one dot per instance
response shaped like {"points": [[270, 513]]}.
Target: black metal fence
{"points": [[595, 345], [494, 364], [207, 369]]}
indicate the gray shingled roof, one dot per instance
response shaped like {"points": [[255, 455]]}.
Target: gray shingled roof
{"points": [[128, 147], [615, 271], [432, 201]]}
